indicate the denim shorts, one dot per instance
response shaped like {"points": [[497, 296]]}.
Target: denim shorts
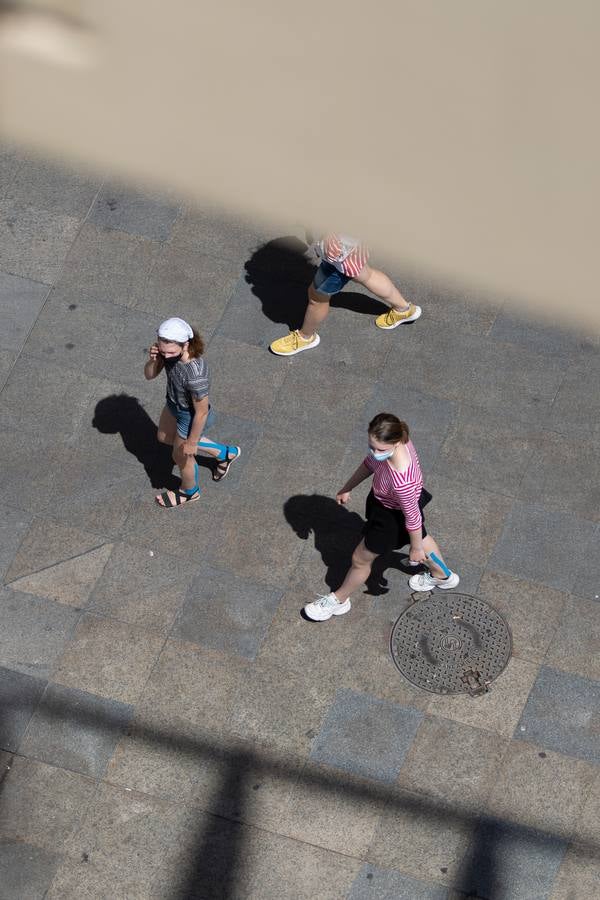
{"points": [[184, 417], [329, 280]]}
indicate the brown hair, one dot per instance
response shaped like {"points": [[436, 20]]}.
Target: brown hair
{"points": [[196, 345], [388, 429]]}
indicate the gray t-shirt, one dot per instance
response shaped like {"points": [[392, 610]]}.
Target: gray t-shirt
{"points": [[187, 381]]}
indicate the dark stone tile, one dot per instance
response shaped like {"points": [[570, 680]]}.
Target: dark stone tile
{"points": [[491, 375], [21, 301], [366, 736], [385, 884], [539, 545], [19, 696], [34, 242], [147, 214], [576, 408], [46, 185], [25, 871], [75, 730], [46, 544], [565, 475], [509, 862], [575, 646], [13, 526], [7, 361], [34, 632], [226, 613], [245, 380], [563, 714]]}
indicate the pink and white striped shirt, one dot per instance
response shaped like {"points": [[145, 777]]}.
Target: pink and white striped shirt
{"points": [[347, 254], [399, 490]]}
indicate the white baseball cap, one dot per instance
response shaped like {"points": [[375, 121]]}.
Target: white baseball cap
{"points": [[175, 330]]}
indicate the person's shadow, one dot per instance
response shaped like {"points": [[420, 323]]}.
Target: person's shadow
{"points": [[125, 415], [279, 273], [337, 532]]}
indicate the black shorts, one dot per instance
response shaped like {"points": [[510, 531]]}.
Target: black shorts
{"points": [[385, 529]]}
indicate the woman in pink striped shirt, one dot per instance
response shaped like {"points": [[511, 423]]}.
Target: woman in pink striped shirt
{"points": [[344, 258], [394, 516]]}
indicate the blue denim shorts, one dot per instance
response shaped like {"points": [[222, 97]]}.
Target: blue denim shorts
{"points": [[184, 417], [329, 280]]}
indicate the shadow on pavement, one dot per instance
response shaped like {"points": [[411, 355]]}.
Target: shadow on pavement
{"points": [[279, 274]]}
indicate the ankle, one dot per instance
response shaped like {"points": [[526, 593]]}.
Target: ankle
{"points": [[306, 337]]}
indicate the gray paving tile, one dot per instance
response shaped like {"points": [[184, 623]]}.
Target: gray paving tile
{"points": [[509, 862], [422, 838], [47, 185], [435, 763], [14, 524], [537, 335], [34, 632], [491, 375], [226, 613], [385, 884], [69, 582], [579, 874], [350, 338], [209, 229], [562, 713], [10, 160], [469, 538], [25, 871], [7, 361], [141, 586], [538, 545], [533, 611], [576, 643], [108, 266], [108, 658], [21, 301], [75, 730], [590, 586], [576, 408], [143, 213], [245, 380], [33, 241], [192, 285], [259, 314], [565, 473], [47, 543], [546, 791], [41, 804], [19, 696], [366, 736]]}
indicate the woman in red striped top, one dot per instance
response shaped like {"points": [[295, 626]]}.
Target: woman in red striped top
{"points": [[344, 258], [394, 516]]}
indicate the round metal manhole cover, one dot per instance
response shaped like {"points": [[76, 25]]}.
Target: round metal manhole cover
{"points": [[451, 644]]}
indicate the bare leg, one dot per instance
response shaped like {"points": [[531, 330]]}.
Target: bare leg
{"points": [[430, 546], [187, 465], [383, 287], [167, 428], [357, 574], [316, 312]]}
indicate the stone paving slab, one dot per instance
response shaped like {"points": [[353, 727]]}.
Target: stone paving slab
{"points": [[179, 756]]}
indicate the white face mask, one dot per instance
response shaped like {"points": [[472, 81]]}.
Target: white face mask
{"points": [[381, 454]]}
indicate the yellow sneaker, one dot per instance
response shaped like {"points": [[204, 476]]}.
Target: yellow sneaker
{"points": [[293, 343], [392, 318]]}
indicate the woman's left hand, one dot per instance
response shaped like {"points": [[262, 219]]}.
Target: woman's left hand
{"points": [[417, 555]]}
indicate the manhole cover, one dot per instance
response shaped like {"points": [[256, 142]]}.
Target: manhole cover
{"points": [[451, 644]]}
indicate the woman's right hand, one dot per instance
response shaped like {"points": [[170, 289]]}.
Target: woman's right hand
{"points": [[342, 497], [153, 352]]}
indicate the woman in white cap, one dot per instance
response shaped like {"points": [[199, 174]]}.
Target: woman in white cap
{"points": [[187, 414]]}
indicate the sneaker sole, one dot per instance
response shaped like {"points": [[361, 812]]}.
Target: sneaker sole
{"points": [[299, 350], [416, 315]]}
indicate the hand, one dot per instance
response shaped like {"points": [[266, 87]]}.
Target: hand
{"points": [[190, 448], [153, 352], [342, 497], [417, 555]]}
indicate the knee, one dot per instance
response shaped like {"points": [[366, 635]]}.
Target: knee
{"points": [[315, 298], [359, 560]]}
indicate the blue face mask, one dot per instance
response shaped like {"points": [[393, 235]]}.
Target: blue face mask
{"points": [[381, 455]]}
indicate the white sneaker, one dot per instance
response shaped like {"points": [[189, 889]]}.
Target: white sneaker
{"points": [[425, 581], [325, 607]]}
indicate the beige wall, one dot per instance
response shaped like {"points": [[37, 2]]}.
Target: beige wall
{"points": [[461, 137]]}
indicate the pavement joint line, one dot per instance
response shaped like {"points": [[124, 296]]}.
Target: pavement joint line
{"points": [[55, 564]]}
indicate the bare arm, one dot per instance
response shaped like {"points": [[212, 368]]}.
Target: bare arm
{"points": [[361, 473], [154, 364]]}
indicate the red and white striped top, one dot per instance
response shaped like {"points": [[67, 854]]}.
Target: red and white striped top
{"points": [[399, 490], [347, 254]]}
